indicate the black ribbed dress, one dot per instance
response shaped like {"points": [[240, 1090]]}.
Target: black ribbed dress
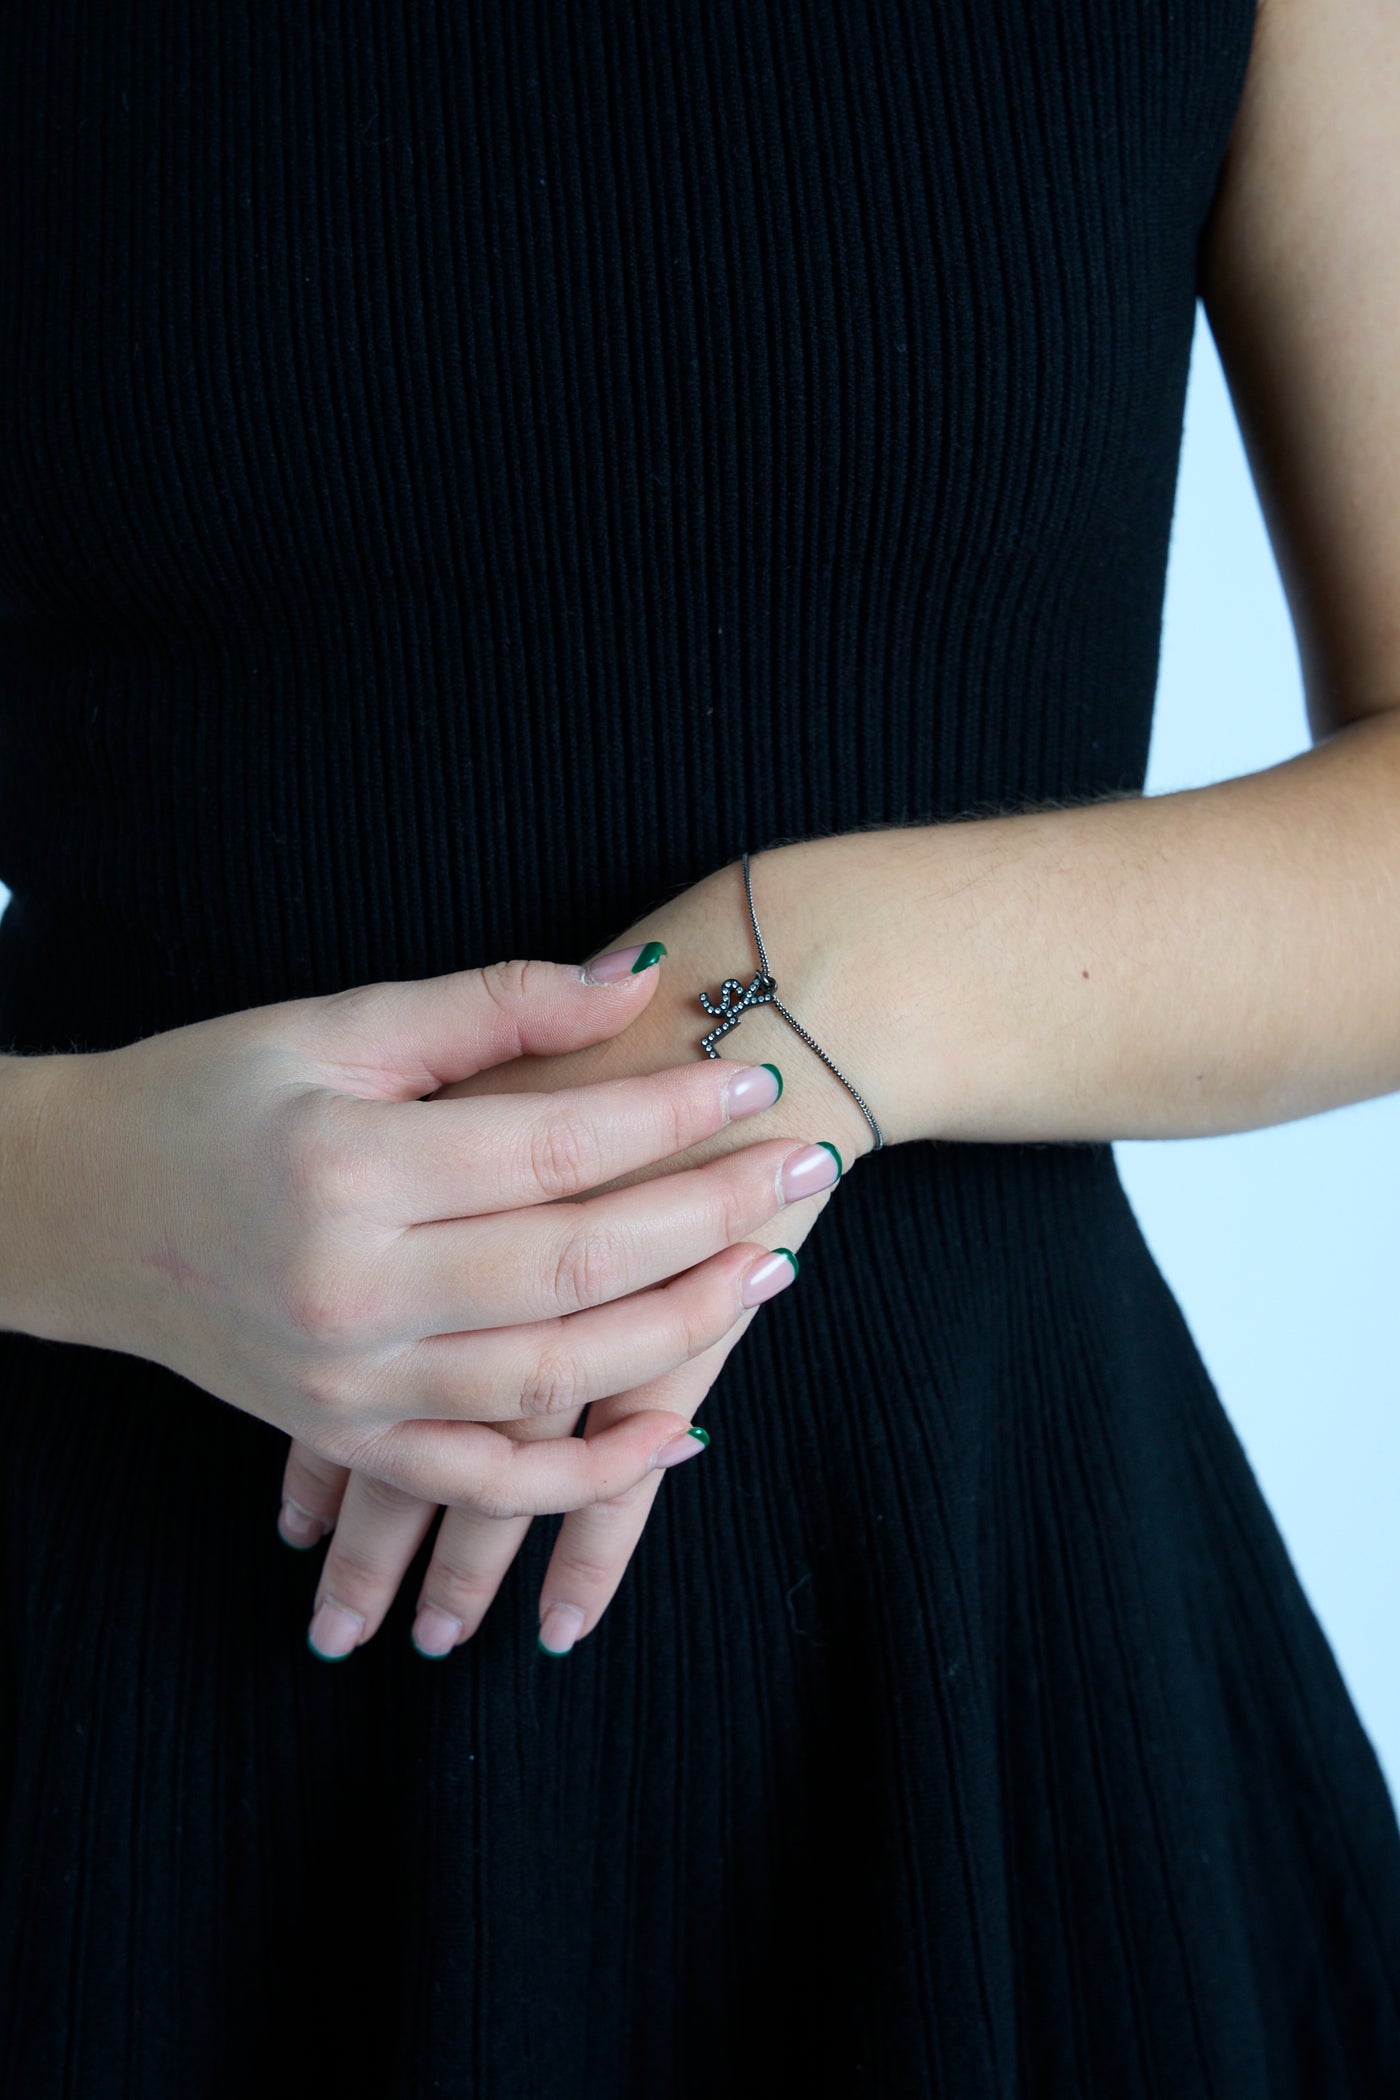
{"points": [[467, 470]]}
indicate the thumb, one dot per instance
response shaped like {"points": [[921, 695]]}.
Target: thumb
{"points": [[409, 1037]]}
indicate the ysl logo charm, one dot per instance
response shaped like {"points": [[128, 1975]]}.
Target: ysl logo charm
{"points": [[734, 1002]]}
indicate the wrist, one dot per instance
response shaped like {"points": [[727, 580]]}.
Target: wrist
{"points": [[816, 943], [887, 950], [710, 939], [36, 1151]]}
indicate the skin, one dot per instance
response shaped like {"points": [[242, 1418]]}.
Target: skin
{"points": [[265, 1203], [1172, 966], [378, 1529], [1175, 966]]}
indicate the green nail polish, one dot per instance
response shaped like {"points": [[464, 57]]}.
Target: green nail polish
{"points": [[790, 1255], [652, 953], [558, 1653], [321, 1655], [778, 1076], [701, 1435], [827, 1146]]}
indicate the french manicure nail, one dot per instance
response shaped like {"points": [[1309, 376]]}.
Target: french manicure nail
{"points": [[807, 1172], [623, 962], [751, 1088], [560, 1628], [769, 1276], [435, 1632], [298, 1527], [333, 1632], [690, 1445]]}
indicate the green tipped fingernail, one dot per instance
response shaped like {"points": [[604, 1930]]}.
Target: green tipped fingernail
{"points": [[321, 1655], [790, 1255], [778, 1076], [652, 953], [701, 1435], [827, 1146]]}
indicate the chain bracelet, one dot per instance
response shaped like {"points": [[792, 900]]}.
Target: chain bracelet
{"points": [[736, 998]]}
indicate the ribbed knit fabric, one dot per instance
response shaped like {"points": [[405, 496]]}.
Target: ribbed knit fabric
{"points": [[467, 471]]}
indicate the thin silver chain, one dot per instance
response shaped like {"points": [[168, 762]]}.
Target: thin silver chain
{"points": [[763, 991]]}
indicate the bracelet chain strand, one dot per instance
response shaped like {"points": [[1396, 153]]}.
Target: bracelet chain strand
{"points": [[762, 990]]}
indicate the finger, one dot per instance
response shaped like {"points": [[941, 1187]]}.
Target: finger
{"points": [[471, 1555], [529, 1265], [595, 1545], [402, 1037], [585, 1570], [467, 1155], [549, 1367], [380, 1529], [312, 1490], [473, 1466]]}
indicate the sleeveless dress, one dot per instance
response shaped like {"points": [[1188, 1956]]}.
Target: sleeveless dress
{"points": [[467, 472]]}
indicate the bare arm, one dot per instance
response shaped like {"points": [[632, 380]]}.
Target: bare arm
{"points": [[1207, 961]]}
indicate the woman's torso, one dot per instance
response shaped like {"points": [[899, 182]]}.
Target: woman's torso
{"points": [[464, 475]]}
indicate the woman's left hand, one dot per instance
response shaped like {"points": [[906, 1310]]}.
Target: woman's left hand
{"points": [[377, 1529]]}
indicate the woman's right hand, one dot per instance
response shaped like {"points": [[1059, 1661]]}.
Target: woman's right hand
{"points": [[266, 1204]]}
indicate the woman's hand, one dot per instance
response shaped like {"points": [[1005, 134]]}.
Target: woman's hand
{"points": [[377, 1534], [266, 1204], [379, 1529]]}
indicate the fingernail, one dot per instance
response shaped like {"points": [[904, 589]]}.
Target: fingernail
{"points": [[623, 962], [435, 1632], [560, 1628], [298, 1527], [807, 1172], [769, 1276], [751, 1088], [333, 1632], [690, 1445]]}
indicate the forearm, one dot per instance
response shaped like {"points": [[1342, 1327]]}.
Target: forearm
{"points": [[28, 1174], [1166, 966]]}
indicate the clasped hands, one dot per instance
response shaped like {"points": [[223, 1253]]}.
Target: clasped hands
{"points": [[421, 1226], [594, 1228]]}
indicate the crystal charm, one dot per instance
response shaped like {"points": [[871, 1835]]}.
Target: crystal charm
{"points": [[735, 999], [734, 1002]]}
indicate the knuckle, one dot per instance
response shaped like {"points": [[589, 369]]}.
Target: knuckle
{"points": [[702, 1318], [342, 1444], [507, 980], [584, 1571], [553, 1385], [508, 985], [322, 1392], [495, 1502], [586, 1270], [564, 1154], [385, 1497], [381, 1456], [683, 1124], [598, 1560], [451, 1582], [627, 1501], [358, 1010], [353, 1573], [324, 1303], [326, 1168], [742, 1200]]}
